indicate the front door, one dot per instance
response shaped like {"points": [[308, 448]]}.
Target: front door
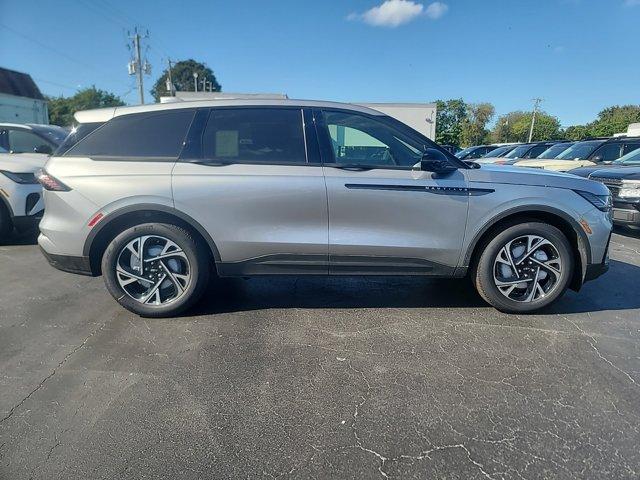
{"points": [[386, 216], [248, 177]]}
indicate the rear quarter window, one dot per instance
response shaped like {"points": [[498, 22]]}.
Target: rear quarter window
{"points": [[141, 135]]}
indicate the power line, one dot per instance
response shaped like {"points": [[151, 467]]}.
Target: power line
{"points": [[52, 49]]}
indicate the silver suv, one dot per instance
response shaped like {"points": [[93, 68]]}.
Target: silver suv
{"points": [[158, 198]]}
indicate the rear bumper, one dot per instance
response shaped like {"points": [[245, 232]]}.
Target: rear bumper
{"points": [[67, 263]]}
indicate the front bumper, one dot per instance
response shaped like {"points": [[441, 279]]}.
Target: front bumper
{"points": [[67, 263]]}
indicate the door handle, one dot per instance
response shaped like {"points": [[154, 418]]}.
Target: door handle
{"points": [[207, 163], [354, 167]]}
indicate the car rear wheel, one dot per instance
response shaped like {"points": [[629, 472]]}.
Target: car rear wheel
{"points": [[524, 268], [155, 270]]}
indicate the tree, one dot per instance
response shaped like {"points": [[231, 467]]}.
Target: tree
{"points": [[515, 126], [613, 120], [449, 118], [576, 132], [61, 109], [182, 78], [474, 124]]}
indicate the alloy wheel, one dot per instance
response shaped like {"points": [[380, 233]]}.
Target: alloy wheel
{"points": [[153, 270], [527, 268]]}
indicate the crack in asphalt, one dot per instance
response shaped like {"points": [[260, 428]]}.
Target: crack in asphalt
{"points": [[53, 372]]}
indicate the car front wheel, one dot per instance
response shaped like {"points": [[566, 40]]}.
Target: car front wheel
{"points": [[155, 270], [524, 268]]}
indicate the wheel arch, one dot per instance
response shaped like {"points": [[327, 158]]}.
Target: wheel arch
{"points": [[559, 219], [114, 223]]}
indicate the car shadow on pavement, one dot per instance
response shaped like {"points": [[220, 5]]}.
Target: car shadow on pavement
{"points": [[613, 291]]}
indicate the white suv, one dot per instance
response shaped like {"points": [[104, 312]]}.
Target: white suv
{"points": [[158, 197]]}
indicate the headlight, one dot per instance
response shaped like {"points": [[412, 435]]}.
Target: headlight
{"points": [[630, 189], [601, 202], [23, 178]]}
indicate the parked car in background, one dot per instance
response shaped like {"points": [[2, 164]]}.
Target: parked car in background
{"points": [[534, 152], [624, 184], [471, 153], [523, 150], [159, 197], [21, 204], [587, 153], [500, 151], [554, 150], [452, 149], [631, 159], [31, 138]]}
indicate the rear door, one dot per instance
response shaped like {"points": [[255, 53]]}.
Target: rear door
{"points": [[386, 216], [249, 178]]}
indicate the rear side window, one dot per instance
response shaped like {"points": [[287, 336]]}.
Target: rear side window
{"points": [[75, 135], [150, 135], [255, 135], [630, 147]]}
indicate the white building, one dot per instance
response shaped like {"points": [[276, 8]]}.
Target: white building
{"points": [[20, 99]]}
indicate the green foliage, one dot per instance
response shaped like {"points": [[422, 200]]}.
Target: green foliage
{"points": [[576, 132], [182, 78], [515, 127], [449, 119], [61, 109], [474, 125], [613, 120]]}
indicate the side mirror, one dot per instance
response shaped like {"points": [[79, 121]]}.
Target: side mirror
{"points": [[43, 149], [435, 161], [597, 159]]}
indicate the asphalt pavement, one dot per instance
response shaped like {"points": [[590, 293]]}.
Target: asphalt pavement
{"points": [[318, 378]]}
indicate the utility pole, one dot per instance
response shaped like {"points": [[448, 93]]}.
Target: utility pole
{"points": [[536, 104], [136, 66], [170, 88]]}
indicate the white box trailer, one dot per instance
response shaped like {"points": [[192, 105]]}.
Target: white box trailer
{"points": [[419, 116]]}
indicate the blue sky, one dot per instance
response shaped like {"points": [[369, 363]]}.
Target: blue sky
{"points": [[579, 55]]}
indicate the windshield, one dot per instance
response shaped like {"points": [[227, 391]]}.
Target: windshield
{"points": [[580, 150], [631, 158], [462, 153], [518, 152], [54, 134], [499, 152], [555, 150]]}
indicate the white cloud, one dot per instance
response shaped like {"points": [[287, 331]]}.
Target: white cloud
{"points": [[436, 10], [393, 13]]}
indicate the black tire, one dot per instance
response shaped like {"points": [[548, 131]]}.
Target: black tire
{"points": [[483, 272], [199, 267], [6, 225]]}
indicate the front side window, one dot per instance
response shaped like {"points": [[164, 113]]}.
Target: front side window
{"points": [[255, 135], [362, 140], [607, 153], [555, 150], [140, 135], [630, 147]]}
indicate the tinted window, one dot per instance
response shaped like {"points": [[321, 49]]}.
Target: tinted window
{"points": [[76, 134], [630, 147], [555, 150], [22, 141], [607, 153], [153, 134], [498, 152], [518, 152], [537, 150], [264, 135], [580, 150], [362, 140]]}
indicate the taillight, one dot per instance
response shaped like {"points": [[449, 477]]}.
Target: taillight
{"points": [[51, 183]]}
